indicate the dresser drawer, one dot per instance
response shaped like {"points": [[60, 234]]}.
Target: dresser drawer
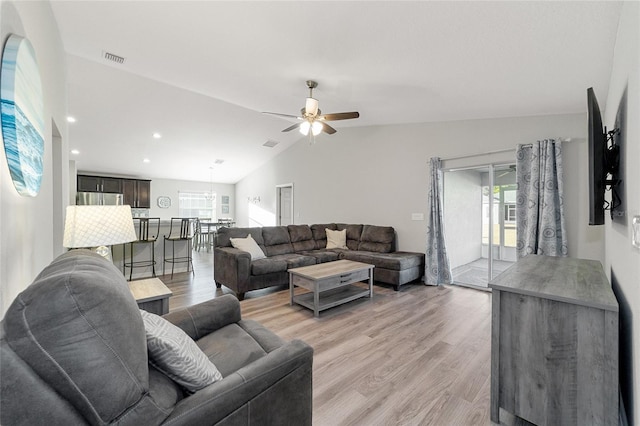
{"points": [[355, 276], [342, 280]]}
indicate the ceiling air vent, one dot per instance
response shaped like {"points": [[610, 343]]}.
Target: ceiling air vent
{"points": [[113, 58], [270, 144]]}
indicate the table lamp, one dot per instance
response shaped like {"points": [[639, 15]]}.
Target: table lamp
{"points": [[96, 227]]}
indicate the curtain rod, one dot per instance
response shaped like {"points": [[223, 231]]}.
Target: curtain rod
{"points": [[500, 151], [481, 154]]}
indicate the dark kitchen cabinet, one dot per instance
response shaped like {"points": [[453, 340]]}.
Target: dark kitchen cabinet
{"points": [[137, 193], [88, 183], [144, 194]]}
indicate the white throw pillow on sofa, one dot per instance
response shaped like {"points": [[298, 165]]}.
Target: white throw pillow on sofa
{"points": [[337, 239], [248, 244]]}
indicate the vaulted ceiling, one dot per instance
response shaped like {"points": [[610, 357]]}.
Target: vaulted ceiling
{"points": [[201, 72]]}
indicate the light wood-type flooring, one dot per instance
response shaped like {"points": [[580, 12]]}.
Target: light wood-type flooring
{"points": [[420, 356]]}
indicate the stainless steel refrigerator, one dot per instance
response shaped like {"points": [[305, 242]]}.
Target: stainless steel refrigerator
{"points": [[99, 199]]}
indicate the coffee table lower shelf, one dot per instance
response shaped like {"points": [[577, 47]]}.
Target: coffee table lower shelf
{"points": [[331, 298]]}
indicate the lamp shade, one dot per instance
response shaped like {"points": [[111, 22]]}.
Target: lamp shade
{"points": [[93, 226], [305, 126], [316, 128]]}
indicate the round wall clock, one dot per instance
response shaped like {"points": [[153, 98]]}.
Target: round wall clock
{"points": [[164, 202], [22, 115]]}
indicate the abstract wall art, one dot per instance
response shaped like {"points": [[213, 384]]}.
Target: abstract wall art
{"points": [[22, 115]]}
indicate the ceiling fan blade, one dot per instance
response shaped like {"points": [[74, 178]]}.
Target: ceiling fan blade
{"points": [[327, 129], [339, 116], [277, 114], [295, 126]]}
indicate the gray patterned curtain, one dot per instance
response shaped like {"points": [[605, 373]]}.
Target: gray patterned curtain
{"points": [[540, 199], [437, 269]]}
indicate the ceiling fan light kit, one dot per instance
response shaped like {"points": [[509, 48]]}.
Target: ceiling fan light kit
{"points": [[304, 127], [314, 126], [312, 121]]}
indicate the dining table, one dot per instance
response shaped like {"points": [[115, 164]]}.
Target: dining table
{"points": [[210, 228]]}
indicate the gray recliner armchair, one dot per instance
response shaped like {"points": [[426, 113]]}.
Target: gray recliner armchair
{"points": [[73, 351]]}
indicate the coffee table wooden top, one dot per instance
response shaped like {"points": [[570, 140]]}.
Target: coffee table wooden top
{"points": [[330, 269], [149, 289]]}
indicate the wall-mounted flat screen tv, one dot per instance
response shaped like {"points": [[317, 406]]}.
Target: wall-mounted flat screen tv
{"points": [[597, 148], [604, 164]]}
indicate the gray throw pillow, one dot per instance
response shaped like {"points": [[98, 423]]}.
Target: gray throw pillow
{"points": [[174, 353]]}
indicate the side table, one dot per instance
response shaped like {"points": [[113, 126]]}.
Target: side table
{"points": [[151, 295]]}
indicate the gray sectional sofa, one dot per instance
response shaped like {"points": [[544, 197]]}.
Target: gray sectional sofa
{"points": [[293, 246]]}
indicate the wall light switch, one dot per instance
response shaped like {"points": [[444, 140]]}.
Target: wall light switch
{"points": [[635, 231], [417, 216]]}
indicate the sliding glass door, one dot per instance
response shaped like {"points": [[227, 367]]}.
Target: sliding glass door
{"points": [[480, 226]]}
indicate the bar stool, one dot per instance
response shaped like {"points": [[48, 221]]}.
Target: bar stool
{"points": [[147, 231], [212, 230], [200, 238], [179, 230]]}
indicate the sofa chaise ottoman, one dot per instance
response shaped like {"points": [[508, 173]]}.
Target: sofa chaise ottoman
{"points": [[292, 246]]}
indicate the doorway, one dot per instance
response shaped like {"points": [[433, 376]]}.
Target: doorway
{"points": [[60, 201], [284, 203], [480, 222]]}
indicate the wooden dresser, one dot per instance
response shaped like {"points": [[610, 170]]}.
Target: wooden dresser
{"points": [[554, 343]]}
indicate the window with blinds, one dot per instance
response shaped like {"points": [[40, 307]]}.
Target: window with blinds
{"points": [[197, 204]]}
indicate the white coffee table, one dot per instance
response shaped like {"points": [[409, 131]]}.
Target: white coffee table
{"points": [[330, 284]]}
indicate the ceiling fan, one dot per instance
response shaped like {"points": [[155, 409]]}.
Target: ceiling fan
{"points": [[511, 169], [311, 121]]}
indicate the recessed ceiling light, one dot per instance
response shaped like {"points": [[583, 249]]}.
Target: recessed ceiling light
{"points": [[71, 119], [146, 160], [157, 135], [75, 152]]}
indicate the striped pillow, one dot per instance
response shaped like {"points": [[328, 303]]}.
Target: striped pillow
{"points": [[174, 353]]}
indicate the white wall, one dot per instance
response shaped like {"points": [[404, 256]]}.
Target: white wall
{"points": [[622, 259], [27, 223], [171, 187], [379, 174], [463, 216]]}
